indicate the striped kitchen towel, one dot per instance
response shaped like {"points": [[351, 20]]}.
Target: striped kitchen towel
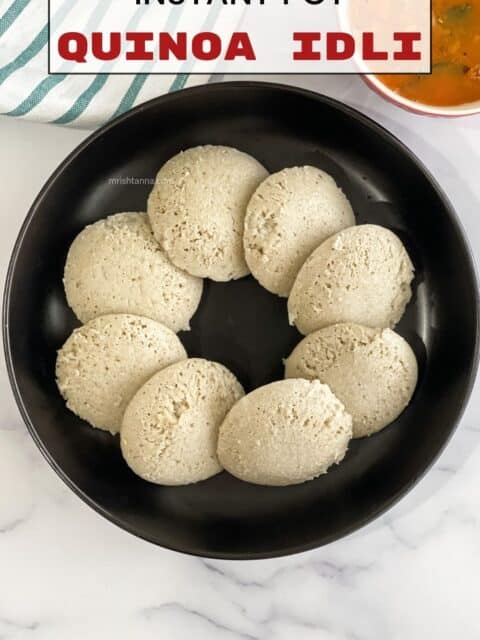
{"points": [[26, 89]]}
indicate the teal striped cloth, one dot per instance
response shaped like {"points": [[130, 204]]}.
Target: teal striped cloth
{"points": [[27, 91]]}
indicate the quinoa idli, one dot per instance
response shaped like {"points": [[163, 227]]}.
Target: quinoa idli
{"points": [[361, 274], [104, 363], [197, 209], [284, 433], [116, 266], [290, 214], [373, 372], [170, 428]]}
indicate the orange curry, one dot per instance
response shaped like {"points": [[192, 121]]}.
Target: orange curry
{"points": [[455, 77]]}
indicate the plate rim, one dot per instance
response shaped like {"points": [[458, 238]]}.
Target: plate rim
{"points": [[357, 115]]}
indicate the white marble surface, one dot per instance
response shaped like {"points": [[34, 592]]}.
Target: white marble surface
{"points": [[68, 574]]}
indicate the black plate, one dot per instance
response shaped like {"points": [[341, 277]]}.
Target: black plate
{"points": [[242, 325]]}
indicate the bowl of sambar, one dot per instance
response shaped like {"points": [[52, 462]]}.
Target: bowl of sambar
{"points": [[453, 86]]}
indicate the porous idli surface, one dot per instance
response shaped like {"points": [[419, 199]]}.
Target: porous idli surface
{"points": [[290, 214], [116, 266], [197, 209], [284, 433], [361, 274], [104, 363], [170, 428], [373, 372]]}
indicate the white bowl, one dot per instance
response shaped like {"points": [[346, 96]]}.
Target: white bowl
{"points": [[374, 82]]}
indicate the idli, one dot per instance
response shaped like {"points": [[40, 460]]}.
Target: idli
{"points": [[116, 266], [288, 216], [361, 274], [197, 209], [284, 433], [104, 363], [170, 428], [373, 372]]}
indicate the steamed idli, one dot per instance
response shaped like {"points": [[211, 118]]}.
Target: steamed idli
{"points": [[284, 433], [116, 266], [104, 363], [372, 371], [288, 216], [197, 209], [361, 274], [170, 428]]}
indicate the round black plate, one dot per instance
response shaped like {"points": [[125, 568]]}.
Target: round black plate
{"points": [[242, 325]]}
